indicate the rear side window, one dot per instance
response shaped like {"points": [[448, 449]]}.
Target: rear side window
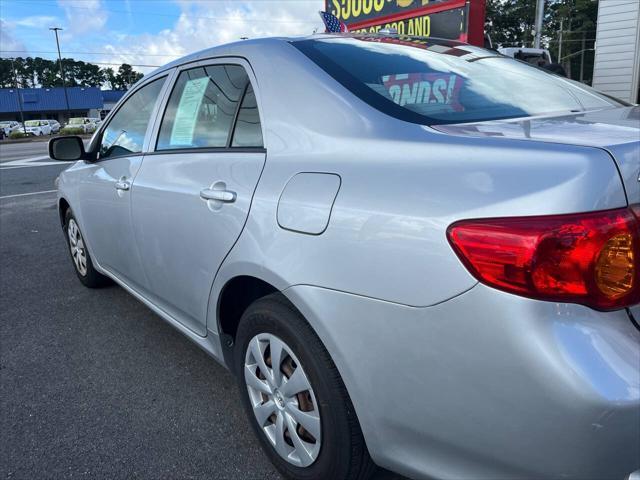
{"points": [[437, 82], [248, 132], [124, 135], [203, 108]]}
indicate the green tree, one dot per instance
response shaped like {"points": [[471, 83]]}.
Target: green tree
{"points": [[45, 72], [110, 78], [34, 72], [127, 76], [24, 71], [569, 30], [6, 75], [570, 33], [83, 74], [510, 22]]}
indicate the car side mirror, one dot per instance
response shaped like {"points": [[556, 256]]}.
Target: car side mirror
{"points": [[67, 148]]}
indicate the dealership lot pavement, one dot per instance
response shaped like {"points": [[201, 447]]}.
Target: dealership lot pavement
{"points": [[93, 384]]}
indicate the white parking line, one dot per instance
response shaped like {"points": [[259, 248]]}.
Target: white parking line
{"points": [[27, 194], [30, 162]]}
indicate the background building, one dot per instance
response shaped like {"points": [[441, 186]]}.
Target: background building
{"points": [[617, 62], [50, 103]]}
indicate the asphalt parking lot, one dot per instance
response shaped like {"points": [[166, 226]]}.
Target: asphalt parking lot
{"points": [[93, 384]]}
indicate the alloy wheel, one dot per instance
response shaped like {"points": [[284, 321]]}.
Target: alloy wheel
{"points": [[283, 399], [77, 247]]}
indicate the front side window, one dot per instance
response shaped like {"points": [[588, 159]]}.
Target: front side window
{"points": [[437, 82], [124, 135], [203, 106]]}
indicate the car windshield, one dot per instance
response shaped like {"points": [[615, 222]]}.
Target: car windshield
{"points": [[5, 124], [439, 82], [76, 121], [32, 123]]}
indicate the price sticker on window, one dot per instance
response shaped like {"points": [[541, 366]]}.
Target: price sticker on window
{"points": [[187, 114]]}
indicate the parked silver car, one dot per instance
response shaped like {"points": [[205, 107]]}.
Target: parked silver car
{"points": [[413, 253]]}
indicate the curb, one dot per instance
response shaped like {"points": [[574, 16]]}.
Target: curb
{"points": [[44, 138]]}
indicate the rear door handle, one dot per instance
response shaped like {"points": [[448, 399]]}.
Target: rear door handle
{"points": [[224, 196], [123, 184]]}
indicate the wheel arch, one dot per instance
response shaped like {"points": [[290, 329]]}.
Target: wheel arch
{"points": [[63, 206], [235, 297]]}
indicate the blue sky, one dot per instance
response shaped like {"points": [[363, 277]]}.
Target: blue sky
{"points": [[145, 32]]}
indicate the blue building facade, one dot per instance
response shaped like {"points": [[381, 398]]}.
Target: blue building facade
{"points": [[50, 103]]}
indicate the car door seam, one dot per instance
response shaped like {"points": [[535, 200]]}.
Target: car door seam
{"points": [[224, 259]]}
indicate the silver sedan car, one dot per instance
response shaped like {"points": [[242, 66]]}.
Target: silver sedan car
{"points": [[414, 254]]}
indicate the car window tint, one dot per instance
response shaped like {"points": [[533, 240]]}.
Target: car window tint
{"points": [[439, 82], [248, 132], [202, 107], [124, 135]]}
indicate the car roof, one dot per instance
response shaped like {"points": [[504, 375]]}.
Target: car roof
{"points": [[231, 49], [270, 44]]}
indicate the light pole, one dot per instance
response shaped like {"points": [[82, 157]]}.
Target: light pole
{"points": [[64, 84], [539, 19], [15, 76]]}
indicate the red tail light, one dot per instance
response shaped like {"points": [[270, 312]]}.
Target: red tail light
{"points": [[591, 258]]}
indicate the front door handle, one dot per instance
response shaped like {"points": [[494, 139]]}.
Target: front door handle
{"points": [[224, 196], [123, 184]]}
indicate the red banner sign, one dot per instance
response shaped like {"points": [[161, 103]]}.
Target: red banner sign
{"points": [[461, 20]]}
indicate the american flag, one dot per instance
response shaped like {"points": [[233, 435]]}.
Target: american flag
{"points": [[333, 24]]}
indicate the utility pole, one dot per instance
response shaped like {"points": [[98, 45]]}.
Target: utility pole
{"points": [[584, 49], [539, 19], [64, 84], [560, 41], [15, 77]]}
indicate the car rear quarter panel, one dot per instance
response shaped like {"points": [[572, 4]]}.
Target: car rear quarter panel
{"points": [[401, 186], [387, 233]]}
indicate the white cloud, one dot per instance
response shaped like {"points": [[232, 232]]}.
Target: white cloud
{"points": [[37, 21], [83, 17], [10, 45], [206, 24]]}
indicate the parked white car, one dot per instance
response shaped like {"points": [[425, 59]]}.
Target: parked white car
{"points": [[534, 56], [85, 123], [38, 128], [10, 126], [55, 125]]}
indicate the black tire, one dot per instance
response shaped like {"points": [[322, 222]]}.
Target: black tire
{"points": [[91, 278], [343, 453]]}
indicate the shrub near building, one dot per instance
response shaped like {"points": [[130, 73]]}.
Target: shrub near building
{"points": [[72, 131], [16, 135]]}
